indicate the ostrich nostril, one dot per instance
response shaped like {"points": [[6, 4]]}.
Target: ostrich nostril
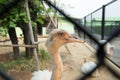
{"points": [[75, 36]]}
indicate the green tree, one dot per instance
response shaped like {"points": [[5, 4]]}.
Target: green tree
{"points": [[16, 17]]}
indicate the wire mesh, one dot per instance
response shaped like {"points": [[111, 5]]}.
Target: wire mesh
{"points": [[82, 27], [100, 52]]}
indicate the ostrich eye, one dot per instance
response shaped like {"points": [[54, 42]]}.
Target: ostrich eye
{"points": [[61, 34]]}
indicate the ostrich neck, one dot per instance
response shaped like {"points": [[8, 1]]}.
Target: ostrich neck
{"points": [[57, 67]]}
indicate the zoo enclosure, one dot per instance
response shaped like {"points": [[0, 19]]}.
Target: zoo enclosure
{"points": [[82, 28], [102, 23]]}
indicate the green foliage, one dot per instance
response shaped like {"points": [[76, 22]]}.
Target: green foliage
{"points": [[44, 58], [20, 64], [40, 19], [3, 32], [13, 16], [17, 15], [44, 54], [25, 64]]}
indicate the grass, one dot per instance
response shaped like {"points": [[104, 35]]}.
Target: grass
{"points": [[44, 58], [26, 64]]}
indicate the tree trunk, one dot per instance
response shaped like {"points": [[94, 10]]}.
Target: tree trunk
{"points": [[14, 40], [27, 40], [39, 28], [34, 19], [35, 36], [31, 35]]}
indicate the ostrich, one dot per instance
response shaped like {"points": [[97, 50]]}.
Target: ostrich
{"points": [[109, 48], [89, 66], [56, 39]]}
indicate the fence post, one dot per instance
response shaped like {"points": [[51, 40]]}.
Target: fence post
{"points": [[84, 26], [103, 22], [91, 26]]}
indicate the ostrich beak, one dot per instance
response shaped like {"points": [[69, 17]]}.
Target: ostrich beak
{"points": [[72, 38]]}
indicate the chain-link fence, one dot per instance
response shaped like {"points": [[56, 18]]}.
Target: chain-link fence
{"points": [[93, 27], [102, 23]]}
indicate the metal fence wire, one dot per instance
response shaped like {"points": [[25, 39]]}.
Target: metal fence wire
{"points": [[101, 55], [100, 52]]}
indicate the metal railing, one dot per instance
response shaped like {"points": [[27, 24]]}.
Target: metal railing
{"points": [[102, 23], [101, 55], [98, 21]]}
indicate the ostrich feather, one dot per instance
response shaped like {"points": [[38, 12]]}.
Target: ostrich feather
{"points": [[87, 67], [41, 75], [109, 48]]}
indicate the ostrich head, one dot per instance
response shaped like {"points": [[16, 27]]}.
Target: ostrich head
{"points": [[57, 38]]}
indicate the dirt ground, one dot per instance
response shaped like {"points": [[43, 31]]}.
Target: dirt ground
{"points": [[72, 55]]}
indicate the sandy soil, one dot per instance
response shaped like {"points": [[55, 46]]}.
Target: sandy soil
{"points": [[74, 60], [72, 56]]}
